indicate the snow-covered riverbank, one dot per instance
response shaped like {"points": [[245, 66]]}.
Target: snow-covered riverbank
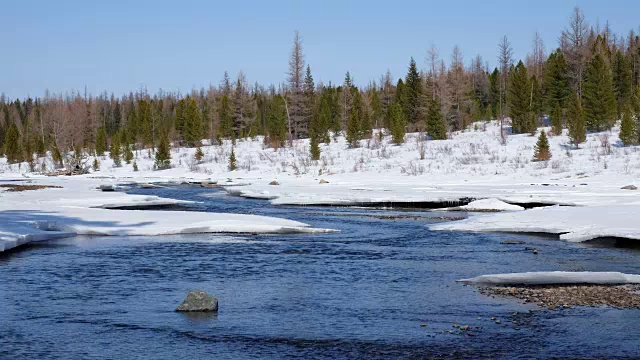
{"points": [[471, 165], [79, 208]]}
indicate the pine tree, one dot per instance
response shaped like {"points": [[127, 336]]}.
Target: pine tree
{"points": [[193, 127], [96, 164], [199, 155], [556, 120], [308, 103], [576, 121], [101, 141], [277, 122], [226, 117], [542, 152], [232, 160], [518, 99], [397, 122], [12, 145], [412, 92], [436, 126], [494, 93], [353, 128], [598, 98], [163, 153], [135, 166], [127, 153], [114, 150], [622, 70], [556, 82], [358, 124], [628, 134], [314, 147]]}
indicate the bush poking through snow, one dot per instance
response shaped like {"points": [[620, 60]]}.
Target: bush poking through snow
{"points": [[542, 148]]}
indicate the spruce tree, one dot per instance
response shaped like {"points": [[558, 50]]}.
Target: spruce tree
{"points": [[163, 153], [436, 126], [542, 152], [277, 122], [412, 92], [226, 117], [199, 155], [556, 82], [12, 145], [556, 120], [193, 127], [622, 70], [353, 127], [232, 160], [628, 133], [101, 141], [125, 142], [576, 121], [397, 122], [96, 164], [114, 150], [325, 117], [598, 98], [518, 99], [314, 147]]}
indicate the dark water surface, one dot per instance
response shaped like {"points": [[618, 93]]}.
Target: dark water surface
{"points": [[361, 293]]}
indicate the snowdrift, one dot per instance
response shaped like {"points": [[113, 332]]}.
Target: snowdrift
{"points": [[555, 278]]}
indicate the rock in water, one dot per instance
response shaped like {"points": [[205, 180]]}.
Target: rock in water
{"points": [[629, 187], [198, 300]]}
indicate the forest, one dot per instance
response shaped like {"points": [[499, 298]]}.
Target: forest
{"points": [[587, 83]]}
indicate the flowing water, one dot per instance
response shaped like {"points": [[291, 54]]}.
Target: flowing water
{"points": [[380, 288]]}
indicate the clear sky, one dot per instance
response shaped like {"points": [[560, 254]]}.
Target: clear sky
{"points": [[121, 46]]}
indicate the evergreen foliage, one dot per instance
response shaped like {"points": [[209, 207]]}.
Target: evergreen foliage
{"points": [[193, 127], [519, 99], [542, 152], [622, 70], [163, 153], [199, 155], [556, 82], [232, 160], [277, 122], [598, 98], [411, 93], [314, 147], [556, 120], [397, 122], [13, 145], [101, 141], [628, 132], [576, 121], [436, 126], [114, 150]]}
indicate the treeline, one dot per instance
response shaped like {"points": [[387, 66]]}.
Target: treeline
{"points": [[591, 80]]}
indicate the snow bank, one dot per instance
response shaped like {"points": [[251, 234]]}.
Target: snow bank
{"points": [[489, 205], [574, 224], [80, 209], [555, 277]]}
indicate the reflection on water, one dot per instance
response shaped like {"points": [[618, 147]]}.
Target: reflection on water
{"points": [[381, 288]]}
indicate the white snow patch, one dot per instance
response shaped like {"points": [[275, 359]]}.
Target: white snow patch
{"points": [[489, 205], [574, 224], [555, 277], [80, 209]]}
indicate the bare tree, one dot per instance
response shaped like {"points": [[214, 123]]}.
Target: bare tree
{"points": [[537, 57], [432, 62], [505, 58], [458, 84], [573, 44], [296, 79]]}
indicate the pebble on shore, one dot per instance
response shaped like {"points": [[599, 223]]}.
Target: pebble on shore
{"points": [[566, 296]]}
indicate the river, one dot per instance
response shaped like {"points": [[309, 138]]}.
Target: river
{"points": [[383, 287]]}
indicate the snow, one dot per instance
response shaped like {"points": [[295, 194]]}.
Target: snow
{"points": [[489, 205], [555, 277], [471, 165], [80, 209], [574, 224]]}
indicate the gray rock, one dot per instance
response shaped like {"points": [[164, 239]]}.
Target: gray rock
{"points": [[198, 300], [629, 187], [107, 188]]}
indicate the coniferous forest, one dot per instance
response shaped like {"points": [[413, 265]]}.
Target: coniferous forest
{"points": [[586, 82]]}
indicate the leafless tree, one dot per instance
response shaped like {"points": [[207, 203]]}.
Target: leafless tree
{"points": [[296, 79], [573, 44], [537, 57], [505, 58]]}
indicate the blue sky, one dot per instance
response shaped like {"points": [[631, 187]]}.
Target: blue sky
{"points": [[120, 46]]}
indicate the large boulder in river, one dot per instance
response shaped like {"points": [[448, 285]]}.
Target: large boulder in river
{"points": [[198, 300]]}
